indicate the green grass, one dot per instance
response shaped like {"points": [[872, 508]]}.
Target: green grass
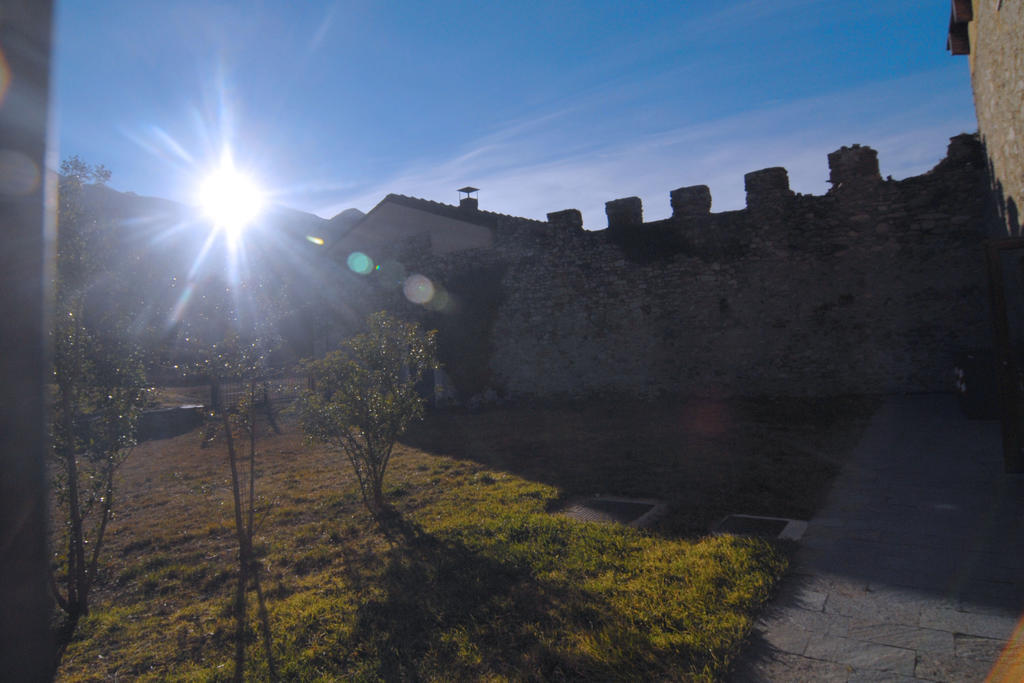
{"points": [[473, 578]]}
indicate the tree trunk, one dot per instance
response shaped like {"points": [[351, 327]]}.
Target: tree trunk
{"points": [[243, 550], [78, 579], [101, 528]]}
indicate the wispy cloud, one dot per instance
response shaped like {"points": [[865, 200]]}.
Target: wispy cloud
{"points": [[323, 28], [733, 18], [520, 174]]}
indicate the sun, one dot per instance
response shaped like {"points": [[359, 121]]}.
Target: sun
{"points": [[230, 199]]}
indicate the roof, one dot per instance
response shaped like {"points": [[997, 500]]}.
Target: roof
{"points": [[489, 219]]}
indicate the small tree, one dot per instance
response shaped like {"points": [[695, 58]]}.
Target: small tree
{"points": [[232, 347], [99, 393], [245, 361], [363, 397]]}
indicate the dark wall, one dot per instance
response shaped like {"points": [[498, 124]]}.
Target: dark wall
{"points": [[872, 287]]}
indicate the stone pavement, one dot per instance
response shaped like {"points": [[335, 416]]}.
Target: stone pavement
{"points": [[914, 569]]}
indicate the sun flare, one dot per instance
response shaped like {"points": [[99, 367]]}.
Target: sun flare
{"points": [[230, 199]]}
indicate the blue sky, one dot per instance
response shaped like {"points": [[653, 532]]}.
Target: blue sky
{"points": [[543, 105]]}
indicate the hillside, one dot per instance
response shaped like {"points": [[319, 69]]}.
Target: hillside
{"points": [[163, 261]]}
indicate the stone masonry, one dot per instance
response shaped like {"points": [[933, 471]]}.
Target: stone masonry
{"points": [[989, 32], [870, 288]]}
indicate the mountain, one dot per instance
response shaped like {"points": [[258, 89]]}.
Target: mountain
{"points": [[345, 220], [164, 260], [170, 236]]}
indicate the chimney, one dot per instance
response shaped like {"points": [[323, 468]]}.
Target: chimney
{"points": [[624, 213], [469, 202]]}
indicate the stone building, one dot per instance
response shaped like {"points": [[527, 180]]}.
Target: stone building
{"points": [[446, 228], [989, 32]]}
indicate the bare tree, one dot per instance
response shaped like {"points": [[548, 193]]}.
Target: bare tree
{"points": [[241, 357]]}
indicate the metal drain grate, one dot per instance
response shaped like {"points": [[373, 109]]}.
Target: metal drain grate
{"points": [[634, 512]]}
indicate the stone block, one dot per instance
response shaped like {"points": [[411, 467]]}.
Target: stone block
{"points": [[164, 423], [569, 219], [862, 655], [882, 677], [783, 666], [987, 649], [963, 147], [900, 635], [935, 666], [624, 213], [955, 621], [767, 188], [853, 167], [880, 606], [691, 201]]}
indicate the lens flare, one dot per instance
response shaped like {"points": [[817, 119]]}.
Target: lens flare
{"points": [[360, 263], [318, 241], [418, 289], [1010, 665], [19, 175], [392, 273], [5, 75], [230, 199], [181, 305], [441, 301]]}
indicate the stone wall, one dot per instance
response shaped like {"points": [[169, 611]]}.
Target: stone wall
{"points": [[995, 28], [870, 288]]}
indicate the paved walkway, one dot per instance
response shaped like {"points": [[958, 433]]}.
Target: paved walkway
{"points": [[914, 569]]}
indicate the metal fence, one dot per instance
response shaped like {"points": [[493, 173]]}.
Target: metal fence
{"points": [[264, 391]]}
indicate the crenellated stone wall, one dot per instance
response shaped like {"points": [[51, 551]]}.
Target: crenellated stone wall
{"points": [[870, 288]]}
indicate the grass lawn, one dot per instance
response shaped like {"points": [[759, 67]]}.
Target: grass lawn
{"points": [[475, 578]]}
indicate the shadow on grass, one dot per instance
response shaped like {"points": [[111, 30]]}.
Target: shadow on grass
{"points": [[447, 612], [706, 458]]}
